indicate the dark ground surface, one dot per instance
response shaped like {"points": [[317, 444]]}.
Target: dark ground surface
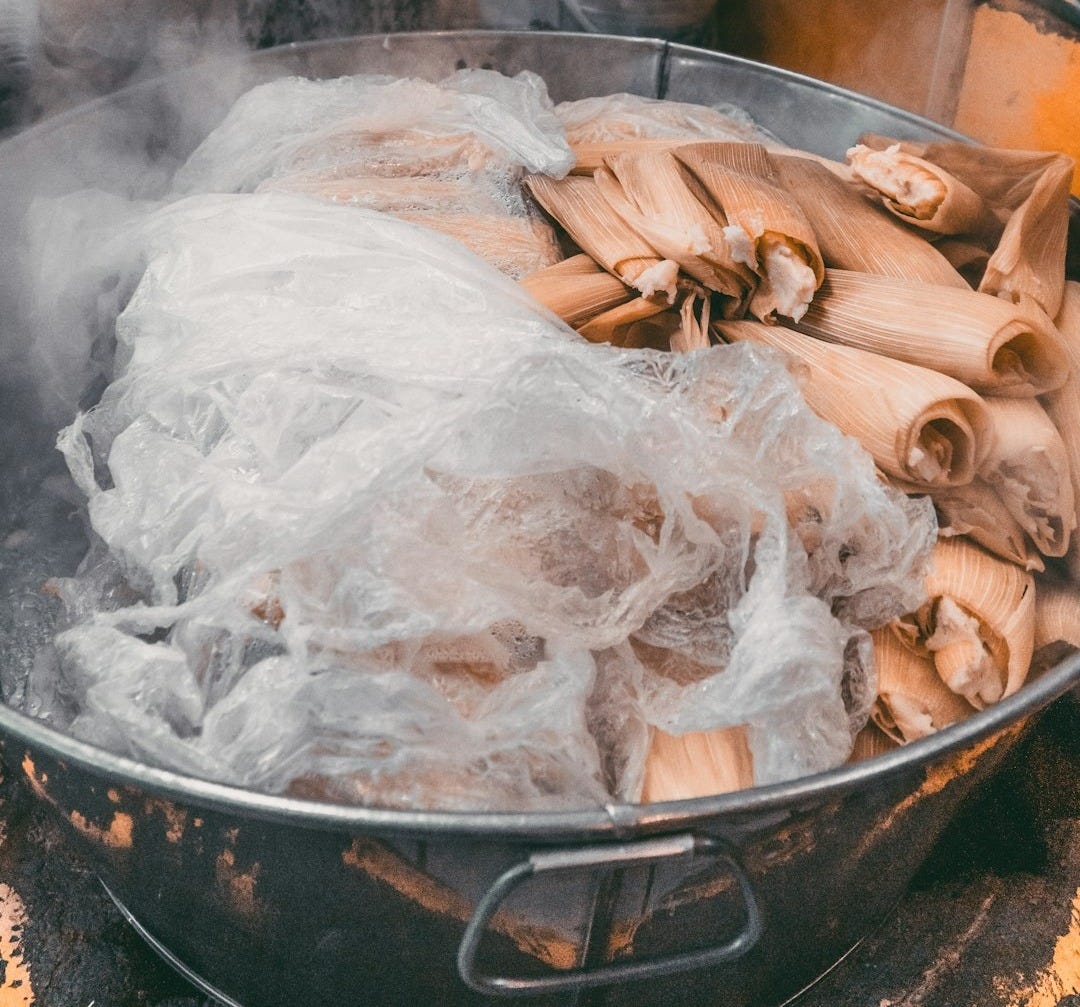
{"points": [[990, 920]]}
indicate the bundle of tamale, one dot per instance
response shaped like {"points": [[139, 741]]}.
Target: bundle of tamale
{"points": [[919, 295]]}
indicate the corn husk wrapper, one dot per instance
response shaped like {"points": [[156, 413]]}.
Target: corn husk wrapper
{"points": [[649, 191], [518, 246], [977, 511], [987, 343], [740, 180], [694, 319], [967, 258], [1029, 260], [1028, 465], [924, 194], [913, 702], [633, 325], [577, 289], [1063, 404], [919, 425], [591, 156], [1057, 614], [575, 202], [871, 741], [854, 233], [699, 764], [979, 624]]}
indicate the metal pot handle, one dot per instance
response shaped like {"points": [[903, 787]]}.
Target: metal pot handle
{"points": [[613, 855]]}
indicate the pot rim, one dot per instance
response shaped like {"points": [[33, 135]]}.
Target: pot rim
{"points": [[612, 821]]}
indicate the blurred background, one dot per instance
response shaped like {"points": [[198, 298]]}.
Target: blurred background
{"points": [[1004, 71]]}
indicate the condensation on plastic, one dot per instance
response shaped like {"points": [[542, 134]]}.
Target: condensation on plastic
{"points": [[375, 527]]}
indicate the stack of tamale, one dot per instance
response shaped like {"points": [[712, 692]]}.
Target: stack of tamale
{"points": [[919, 291]]}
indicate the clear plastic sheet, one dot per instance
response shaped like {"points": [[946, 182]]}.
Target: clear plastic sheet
{"points": [[389, 533], [448, 156]]}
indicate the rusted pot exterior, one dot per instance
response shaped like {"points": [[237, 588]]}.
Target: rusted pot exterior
{"points": [[732, 901]]}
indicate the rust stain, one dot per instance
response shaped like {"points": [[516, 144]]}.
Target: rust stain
{"points": [[197, 822], [36, 780], [113, 795], [239, 885], [1060, 979], [17, 990], [938, 777], [116, 836], [375, 860], [175, 817]]}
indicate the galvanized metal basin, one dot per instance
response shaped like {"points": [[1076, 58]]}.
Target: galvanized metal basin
{"points": [[735, 900]]}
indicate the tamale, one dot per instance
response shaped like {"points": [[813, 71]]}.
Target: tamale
{"points": [[590, 156], [1028, 465], [637, 323], [854, 233], [575, 202], [919, 425], [1057, 614], [985, 342], [979, 624], [1063, 404], [913, 702], [577, 289], [871, 741], [740, 180], [650, 192], [924, 194], [977, 511], [699, 764]]}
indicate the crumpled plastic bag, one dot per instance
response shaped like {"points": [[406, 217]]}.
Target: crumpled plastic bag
{"points": [[396, 535], [448, 156]]}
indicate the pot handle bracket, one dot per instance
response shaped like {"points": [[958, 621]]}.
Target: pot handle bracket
{"points": [[607, 856]]}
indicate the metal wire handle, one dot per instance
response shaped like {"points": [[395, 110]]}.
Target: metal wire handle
{"points": [[587, 978]]}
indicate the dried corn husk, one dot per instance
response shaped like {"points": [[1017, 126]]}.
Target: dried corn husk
{"points": [[913, 702], [923, 194], [976, 510], [871, 741], [590, 156], [1057, 614], [967, 258], [576, 203], [919, 425], [1029, 260], [693, 331], [577, 289], [740, 180], [637, 323], [1028, 465], [517, 246], [989, 344], [649, 191], [1063, 404], [854, 233], [680, 767], [979, 623]]}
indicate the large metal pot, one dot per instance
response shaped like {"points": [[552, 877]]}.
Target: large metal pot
{"points": [[733, 900]]}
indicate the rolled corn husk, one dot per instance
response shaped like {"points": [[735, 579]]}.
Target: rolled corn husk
{"points": [[1028, 465], [517, 245], [987, 343], [575, 202], [967, 258], [1057, 614], [854, 233], [635, 324], [577, 289], [1063, 404], [693, 331], [785, 254], [912, 702], [919, 425], [924, 194], [650, 192], [699, 764], [977, 511], [1029, 260], [590, 156], [979, 624], [871, 741]]}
